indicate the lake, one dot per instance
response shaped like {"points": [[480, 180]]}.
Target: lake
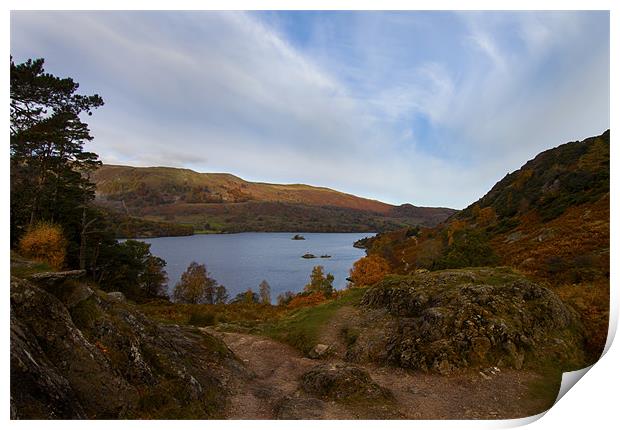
{"points": [[242, 260]]}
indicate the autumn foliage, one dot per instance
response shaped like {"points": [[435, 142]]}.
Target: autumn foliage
{"points": [[195, 285], [303, 300], [320, 282], [369, 270], [44, 242]]}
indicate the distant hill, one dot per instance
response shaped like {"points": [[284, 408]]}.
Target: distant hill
{"points": [[550, 220], [220, 202]]}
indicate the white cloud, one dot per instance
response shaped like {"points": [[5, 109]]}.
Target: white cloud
{"points": [[222, 91]]}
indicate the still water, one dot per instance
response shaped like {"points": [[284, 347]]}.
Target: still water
{"points": [[241, 261]]}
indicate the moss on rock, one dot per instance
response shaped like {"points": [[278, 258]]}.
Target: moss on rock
{"points": [[453, 319]]}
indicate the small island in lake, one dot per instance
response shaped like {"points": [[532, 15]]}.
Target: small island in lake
{"points": [[298, 237]]}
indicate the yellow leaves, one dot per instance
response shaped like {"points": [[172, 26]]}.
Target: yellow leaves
{"points": [[312, 299], [44, 242], [369, 270]]}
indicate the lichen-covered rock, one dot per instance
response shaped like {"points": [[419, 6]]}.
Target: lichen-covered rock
{"points": [[297, 408], [116, 296], [55, 278], [452, 319], [342, 382], [80, 355]]}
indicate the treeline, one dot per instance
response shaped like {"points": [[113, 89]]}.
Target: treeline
{"points": [[265, 216], [53, 218], [128, 227]]}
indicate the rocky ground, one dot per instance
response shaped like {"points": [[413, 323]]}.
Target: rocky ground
{"points": [[448, 345], [79, 353], [279, 388], [467, 318]]}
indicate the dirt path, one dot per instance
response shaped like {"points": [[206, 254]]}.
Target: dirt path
{"points": [[273, 393]]}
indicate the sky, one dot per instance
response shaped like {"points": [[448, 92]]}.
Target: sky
{"points": [[428, 108]]}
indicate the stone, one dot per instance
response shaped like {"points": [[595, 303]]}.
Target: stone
{"points": [[298, 408], [54, 278], [116, 296], [338, 382], [480, 345], [97, 359], [319, 351], [446, 320]]}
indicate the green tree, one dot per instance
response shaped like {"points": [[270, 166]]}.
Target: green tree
{"points": [[49, 167], [154, 278], [132, 269], [320, 283], [248, 297], [195, 286], [265, 292]]}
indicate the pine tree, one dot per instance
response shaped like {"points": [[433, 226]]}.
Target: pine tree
{"points": [[49, 167]]}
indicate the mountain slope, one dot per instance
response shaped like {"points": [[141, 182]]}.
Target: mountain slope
{"points": [[550, 220], [224, 202]]}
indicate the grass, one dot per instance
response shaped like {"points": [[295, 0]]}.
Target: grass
{"points": [[22, 268], [301, 328], [591, 301], [237, 316], [542, 391]]}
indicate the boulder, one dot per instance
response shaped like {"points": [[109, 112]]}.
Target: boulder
{"points": [[446, 320], [299, 408], [319, 351], [341, 382]]}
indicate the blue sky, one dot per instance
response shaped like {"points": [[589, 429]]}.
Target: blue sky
{"points": [[430, 108]]}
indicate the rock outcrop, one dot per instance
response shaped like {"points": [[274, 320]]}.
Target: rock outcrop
{"points": [[55, 278], [342, 382], [76, 354], [446, 320]]}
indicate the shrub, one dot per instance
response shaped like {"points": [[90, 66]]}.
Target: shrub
{"points": [[303, 300], [369, 270], [202, 319], [247, 297], [285, 298], [45, 243], [470, 248]]}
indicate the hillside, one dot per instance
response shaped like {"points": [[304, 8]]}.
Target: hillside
{"points": [[549, 219], [221, 202]]}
